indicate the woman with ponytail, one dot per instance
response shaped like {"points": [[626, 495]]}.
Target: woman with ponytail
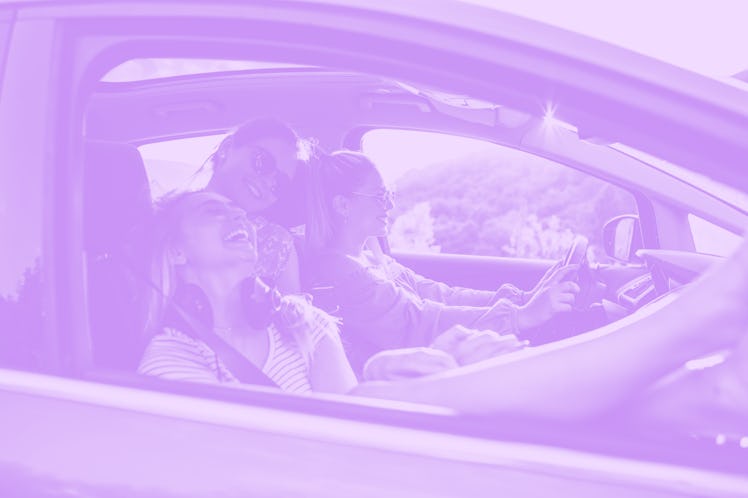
{"points": [[385, 305]]}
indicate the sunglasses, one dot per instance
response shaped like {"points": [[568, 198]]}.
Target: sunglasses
{"points": [[384, 197], [264, 164]]}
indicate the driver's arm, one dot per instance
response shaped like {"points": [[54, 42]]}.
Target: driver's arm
{"points": [[456, 296], [391, 316]]}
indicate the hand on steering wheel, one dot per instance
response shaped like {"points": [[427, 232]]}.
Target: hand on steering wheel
{"points": [[556, 295], [577, 255], [564, 287]]}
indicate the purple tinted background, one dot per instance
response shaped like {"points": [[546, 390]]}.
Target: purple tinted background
{"points": [[64, 435]]}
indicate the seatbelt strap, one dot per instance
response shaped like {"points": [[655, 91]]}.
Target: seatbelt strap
{"points": [[238, 364]]}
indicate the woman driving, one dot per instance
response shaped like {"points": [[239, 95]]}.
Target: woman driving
{"points": [[382, 303]]}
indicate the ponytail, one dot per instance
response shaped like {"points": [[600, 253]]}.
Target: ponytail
{"points": [[320, 216], [330, 175]]}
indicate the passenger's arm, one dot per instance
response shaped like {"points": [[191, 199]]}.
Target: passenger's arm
{"points": [[330, 370], [393, 364]]}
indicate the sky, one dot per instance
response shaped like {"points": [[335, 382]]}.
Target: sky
{"points": [[706, 36]]}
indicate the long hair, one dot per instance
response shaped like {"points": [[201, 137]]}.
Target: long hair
{"points": [[248, 133], [339, 173], [294, 314], [163, 233], [290, 192]]}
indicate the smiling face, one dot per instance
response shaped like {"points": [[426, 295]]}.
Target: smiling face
{"points": [[367, 207], [214, 234], [251, 173]]}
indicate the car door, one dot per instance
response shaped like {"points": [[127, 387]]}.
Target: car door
{"points": [[81, 431]]}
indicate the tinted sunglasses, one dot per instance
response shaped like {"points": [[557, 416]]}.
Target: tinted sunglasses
{"points": [[264, 163], [384, 197]]}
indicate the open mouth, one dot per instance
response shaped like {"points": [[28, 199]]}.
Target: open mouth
{"points": [[238, 235]]}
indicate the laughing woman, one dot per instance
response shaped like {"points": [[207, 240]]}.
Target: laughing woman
{"points": [[206, 250], [251, 166], [204, 261]]}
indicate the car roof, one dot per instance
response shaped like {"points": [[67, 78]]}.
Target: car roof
{"points": [[699, 121], [477, 19]]}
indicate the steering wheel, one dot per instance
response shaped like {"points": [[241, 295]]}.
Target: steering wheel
{"points": [[577, 255], [587, 316]]}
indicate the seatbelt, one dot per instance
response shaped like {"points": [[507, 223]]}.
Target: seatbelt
{"points": [[238, 364]]}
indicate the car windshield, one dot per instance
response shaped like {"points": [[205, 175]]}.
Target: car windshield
{"points": [[717, 189]]}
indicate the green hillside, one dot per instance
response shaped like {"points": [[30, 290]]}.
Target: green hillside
{"points": [[490, 204]]}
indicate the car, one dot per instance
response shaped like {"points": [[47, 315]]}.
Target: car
{"points": [[106, 106]]}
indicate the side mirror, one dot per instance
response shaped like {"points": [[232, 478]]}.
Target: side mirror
{"points": [[622, 237]]}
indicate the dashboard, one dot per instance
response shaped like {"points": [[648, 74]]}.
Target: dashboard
{"points": [[663, 270]]}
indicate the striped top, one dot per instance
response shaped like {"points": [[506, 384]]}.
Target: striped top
{"points": [[175, 355]]}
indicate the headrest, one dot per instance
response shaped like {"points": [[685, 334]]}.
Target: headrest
{"points": [[117, 195]]}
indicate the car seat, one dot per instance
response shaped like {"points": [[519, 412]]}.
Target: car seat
{"points": [[117, 201]]}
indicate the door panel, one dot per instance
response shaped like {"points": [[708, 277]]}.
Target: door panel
{"points": [[104, 440]]}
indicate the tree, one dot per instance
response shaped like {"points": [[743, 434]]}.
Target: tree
{"points": [[414, 230]]}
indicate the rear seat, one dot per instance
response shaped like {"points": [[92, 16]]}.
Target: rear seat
{"points": [[117, 200]]}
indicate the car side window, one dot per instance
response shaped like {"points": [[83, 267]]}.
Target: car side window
{"points": [[465, 196], [176, 165]]}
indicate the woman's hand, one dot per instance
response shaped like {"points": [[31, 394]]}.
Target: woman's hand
{"points": [[470, 346], [393, 364], [556, 295], [548, 275]]}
